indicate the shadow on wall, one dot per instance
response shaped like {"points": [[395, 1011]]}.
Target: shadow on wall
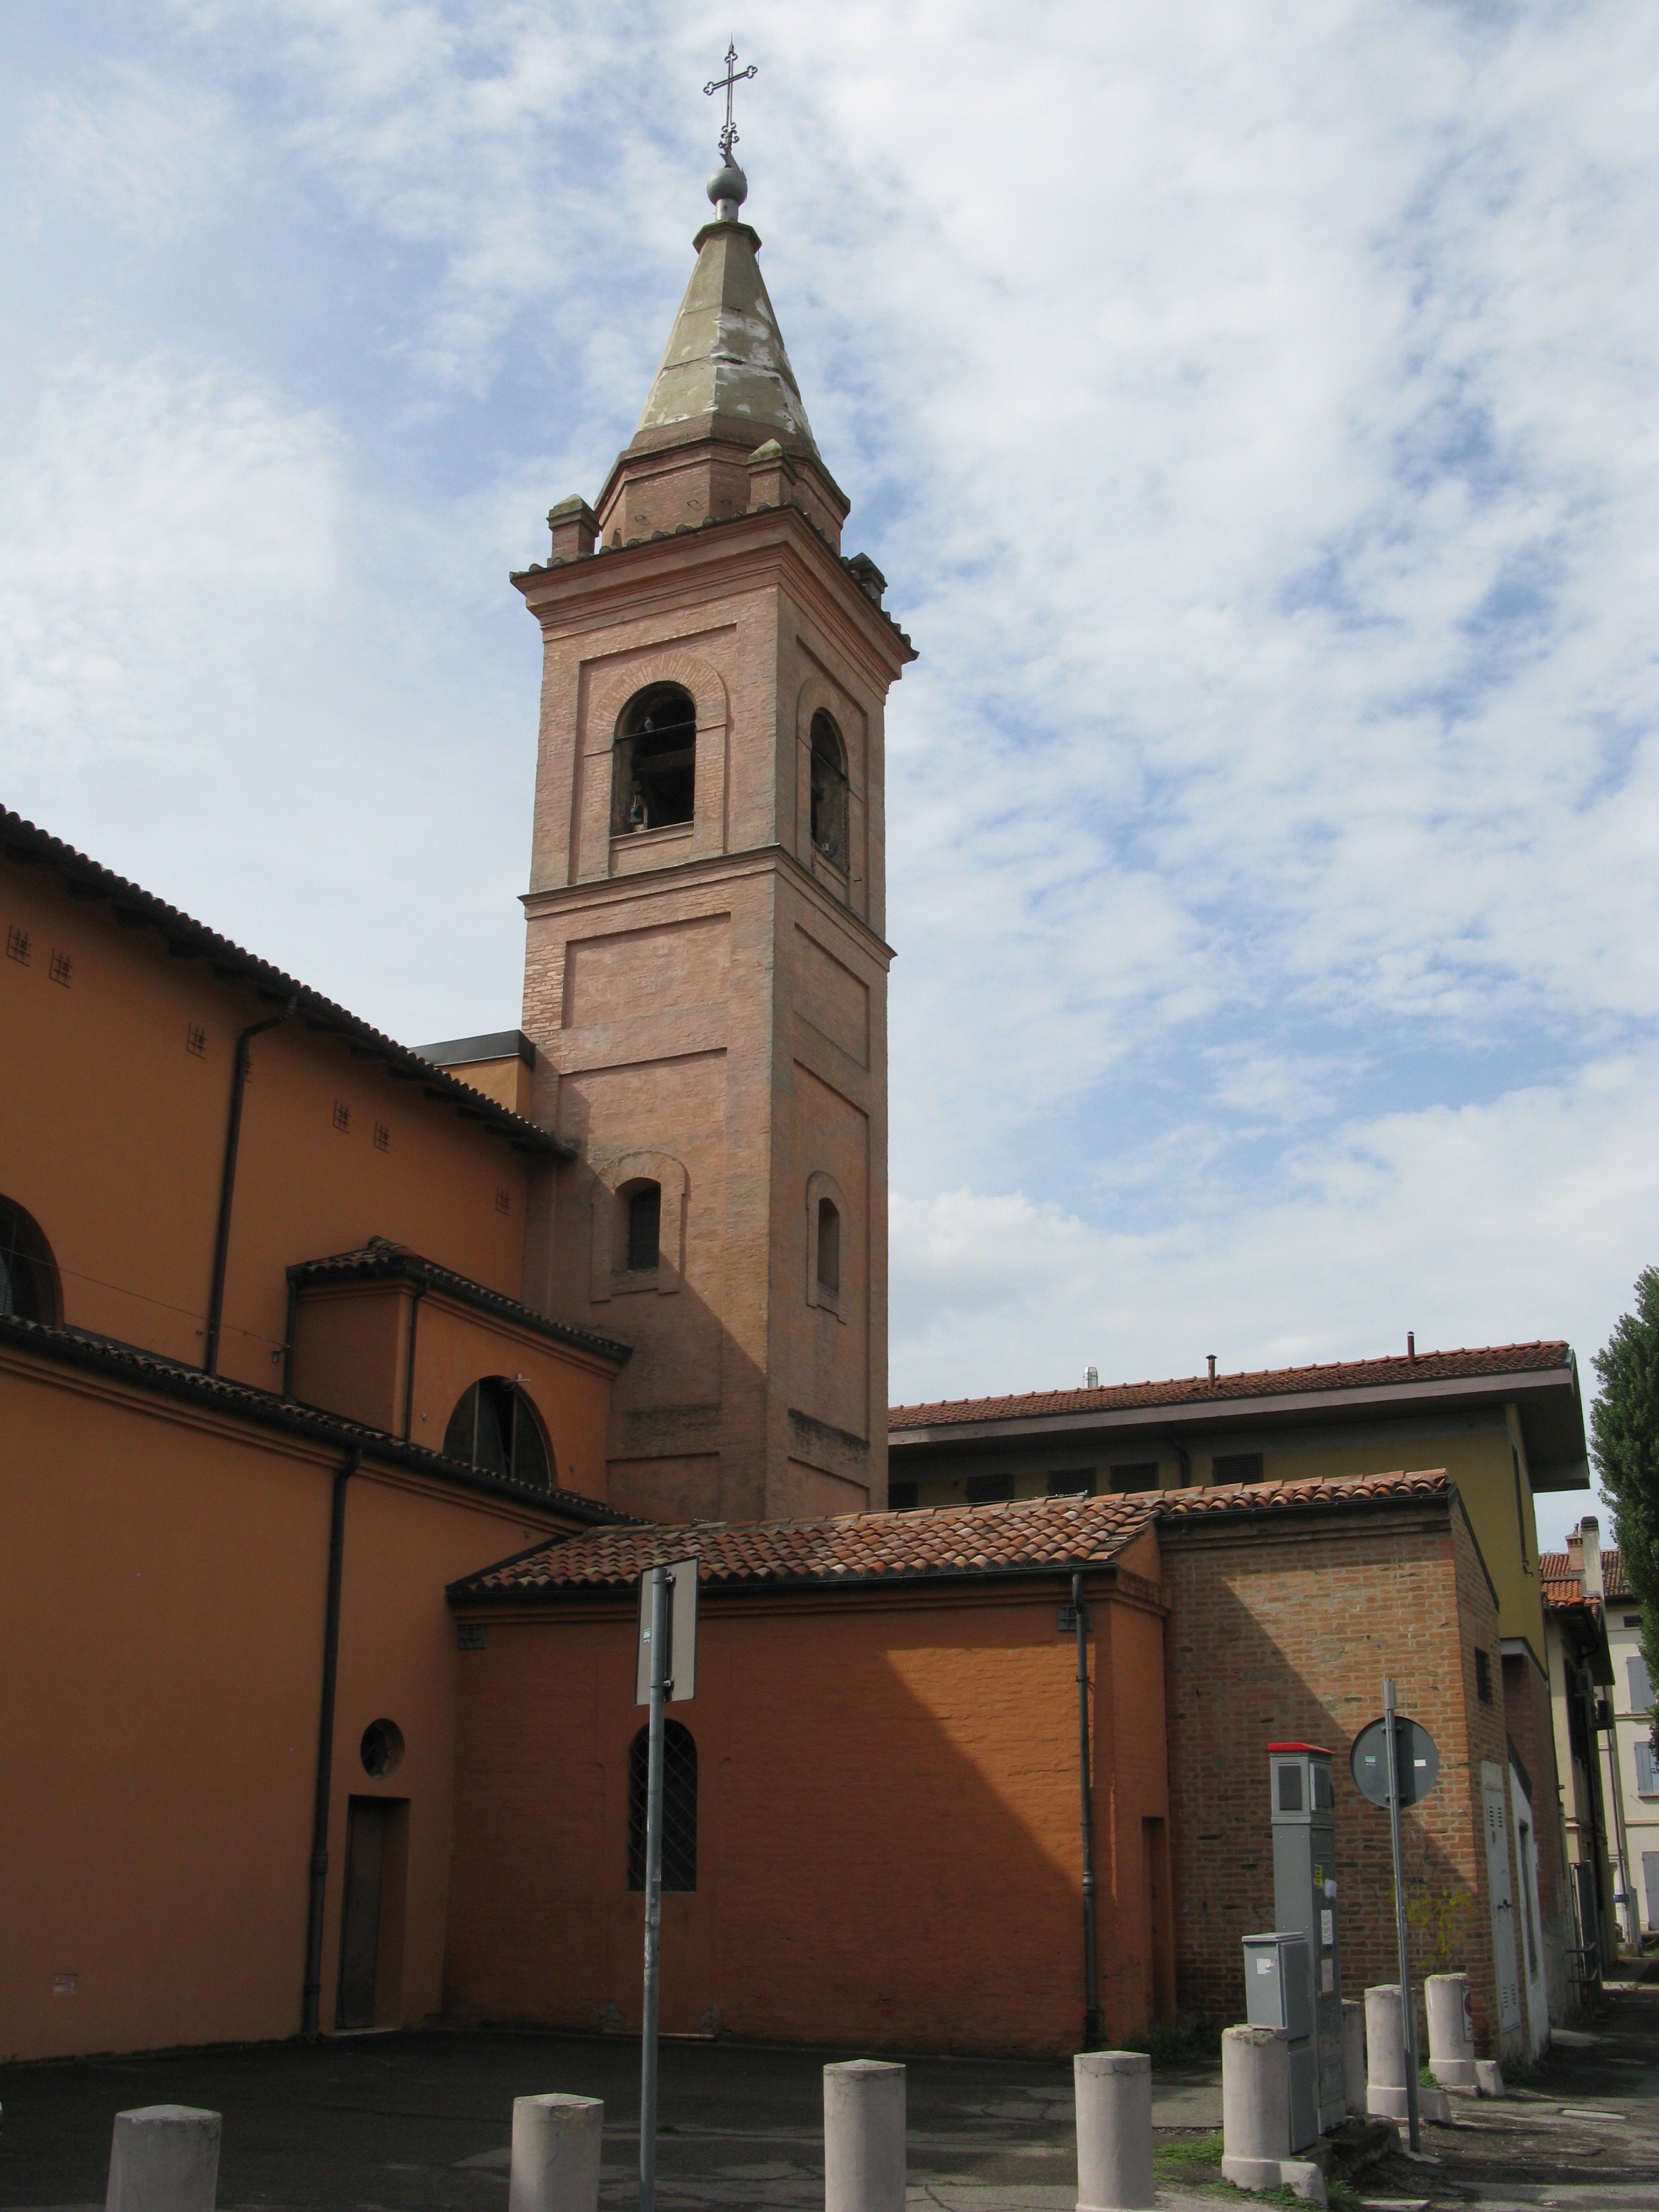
{"points": [[1307, 1669], [888, 1851]]}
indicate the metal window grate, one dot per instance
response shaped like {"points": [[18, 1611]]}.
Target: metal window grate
{"points": [[196, 1040], [679, 1808], [341, 1114], [63, 967], [382, 1138], [503, 1198], [17, 944]]}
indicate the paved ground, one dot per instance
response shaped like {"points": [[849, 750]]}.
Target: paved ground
{"points": [[420, 2123]]}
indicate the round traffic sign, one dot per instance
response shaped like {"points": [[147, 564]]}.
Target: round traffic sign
{"points": [[1419, 1762]]}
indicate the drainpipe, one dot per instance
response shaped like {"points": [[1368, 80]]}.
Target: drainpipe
{"points": [[408, 1379], [314, 1984], [292, 1323], [1184, 1458], [227, 1183], [1091, 1979]]}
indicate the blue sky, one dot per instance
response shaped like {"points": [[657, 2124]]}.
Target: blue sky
{"points": [[1252, 406]]}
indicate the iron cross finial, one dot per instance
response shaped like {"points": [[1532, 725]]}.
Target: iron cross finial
{"points": [[733, 75]]}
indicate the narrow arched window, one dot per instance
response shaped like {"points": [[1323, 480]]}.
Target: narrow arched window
{"points": [[28, 1275], [679, 1808], [829, 790], [829, 1247], [654, 777], [641, 1226], [495, 1427]]}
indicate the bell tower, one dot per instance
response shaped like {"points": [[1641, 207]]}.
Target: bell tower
{"points": [[705, 972]]}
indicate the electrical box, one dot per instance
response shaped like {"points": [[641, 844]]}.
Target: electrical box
{"points": [[1306, 1903], [1278, 1993]]}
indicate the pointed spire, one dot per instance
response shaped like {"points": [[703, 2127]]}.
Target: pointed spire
{"points": [[724, 372]]}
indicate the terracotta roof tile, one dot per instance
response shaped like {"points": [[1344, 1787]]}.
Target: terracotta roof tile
{"points": [[1027, 1535], [381, 1260], [1561, 1585], [1266, 1383]]}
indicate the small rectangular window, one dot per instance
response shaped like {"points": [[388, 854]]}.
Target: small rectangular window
{"points": [[901, 1496], [644, 1227], [17, 944], [1647, 1780], [1483, 1676], [1632, 1620], [341, 1115], [503, 1198], [1073, 1482], [382, 1138], [63, 967], [472, 1636], [1236, 1466], [1135, 1474], [988, 1489], [196, 1040]]}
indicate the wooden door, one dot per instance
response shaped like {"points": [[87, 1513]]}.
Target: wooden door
{"points": [[360, 1912]]}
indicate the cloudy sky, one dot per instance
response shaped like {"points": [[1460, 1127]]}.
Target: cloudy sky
{"points": [[1252, 403]]}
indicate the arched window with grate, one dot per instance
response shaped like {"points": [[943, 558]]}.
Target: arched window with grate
{"points": [[679, 1808], [829, 790], [828, 1249], [654, 778], [495, 1427], [642, 1225], [28, 1276]]}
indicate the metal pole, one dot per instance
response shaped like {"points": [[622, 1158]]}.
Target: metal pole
{"points": [[659, 1687], [1407, 2010], [1090, 1976]]}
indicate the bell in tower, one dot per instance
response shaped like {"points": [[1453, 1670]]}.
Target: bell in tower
{"points": [[706, 972]]}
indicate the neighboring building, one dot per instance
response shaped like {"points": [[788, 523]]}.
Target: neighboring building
{"points": [[1613, 1699], [875, 1797]]}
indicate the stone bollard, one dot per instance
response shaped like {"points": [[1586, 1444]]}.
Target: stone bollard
{"points": [[555, 2154], [1353, 2054], [1255, 2115], [1385, 2062], [163, 2157], [1451, 2032], [1114, 2130], [864, 2163], [1385, 2057]]}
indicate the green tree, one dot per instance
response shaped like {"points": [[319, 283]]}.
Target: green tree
{"points": [[1624, 1439]]}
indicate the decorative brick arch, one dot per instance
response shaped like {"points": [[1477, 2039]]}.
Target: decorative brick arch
{"points": [[821, 1184], [611, 1177], [613, 687]]}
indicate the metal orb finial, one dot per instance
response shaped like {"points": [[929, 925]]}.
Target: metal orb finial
{"points": [[728, 188]]}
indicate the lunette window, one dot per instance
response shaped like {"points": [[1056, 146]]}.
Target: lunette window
{"points": [[495, 1427]]}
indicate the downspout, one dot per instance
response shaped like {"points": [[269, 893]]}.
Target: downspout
{"points": [[314, 1984], [1185, 1459], [290, 1326], [409, 1378], [1085, 1784], [227, 1183]]}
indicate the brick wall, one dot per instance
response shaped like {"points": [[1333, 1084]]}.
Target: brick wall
{"points": [[1283, 1630]]}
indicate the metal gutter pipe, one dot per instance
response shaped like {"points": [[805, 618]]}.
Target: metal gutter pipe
{"points": [[420, 1291], [1091, 1978], [311, 2004], [227, 1183]]}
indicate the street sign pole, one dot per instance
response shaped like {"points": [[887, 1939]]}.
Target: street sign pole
{"points": [[659, 1687], [1407, 2010]]}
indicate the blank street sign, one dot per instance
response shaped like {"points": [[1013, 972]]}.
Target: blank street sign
{"points": [[682, 1633], [1419, 1762]]}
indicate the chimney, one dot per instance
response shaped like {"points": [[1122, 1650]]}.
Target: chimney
{"points": [[1411, 1344], [1590, 1558], [1091, 1378], [1210, 1356]]}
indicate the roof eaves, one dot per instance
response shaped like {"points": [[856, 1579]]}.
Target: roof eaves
{"points": [[396, 1265], [187, 939], [470, 1590], [170, 1379]]}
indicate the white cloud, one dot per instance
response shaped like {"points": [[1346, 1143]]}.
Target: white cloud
{"points": [[148, 156]]}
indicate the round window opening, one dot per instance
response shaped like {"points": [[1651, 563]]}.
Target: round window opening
{"points": [[382, 1748]]}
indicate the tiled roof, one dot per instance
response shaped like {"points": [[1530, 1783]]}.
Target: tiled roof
{"points": [[187, 939], [1028, 1535], [1561, 1585], [169, 1378], [382, 1260], [1268, 1382]]}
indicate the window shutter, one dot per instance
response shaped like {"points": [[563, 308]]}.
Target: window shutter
{"points": [[1647, 1782], [1641, 1689]]}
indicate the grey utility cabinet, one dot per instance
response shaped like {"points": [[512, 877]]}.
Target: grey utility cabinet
{"points": [[1305, 1902]]}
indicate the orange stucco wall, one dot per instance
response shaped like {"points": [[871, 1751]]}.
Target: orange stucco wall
{"points": [[888, 1820], [162, 1643], [112, 1132]]}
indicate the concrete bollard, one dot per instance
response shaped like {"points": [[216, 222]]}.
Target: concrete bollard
{"points": [[1114, 2130], [556, 2153], [1489, 2078], [1255, 2115], [163, 2157], [1353, 2054], [1451, 2032], [864, 2162], [1385, 2056]]}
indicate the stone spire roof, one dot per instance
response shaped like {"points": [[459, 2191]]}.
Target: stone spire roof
{"points": [[724, 372]]}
